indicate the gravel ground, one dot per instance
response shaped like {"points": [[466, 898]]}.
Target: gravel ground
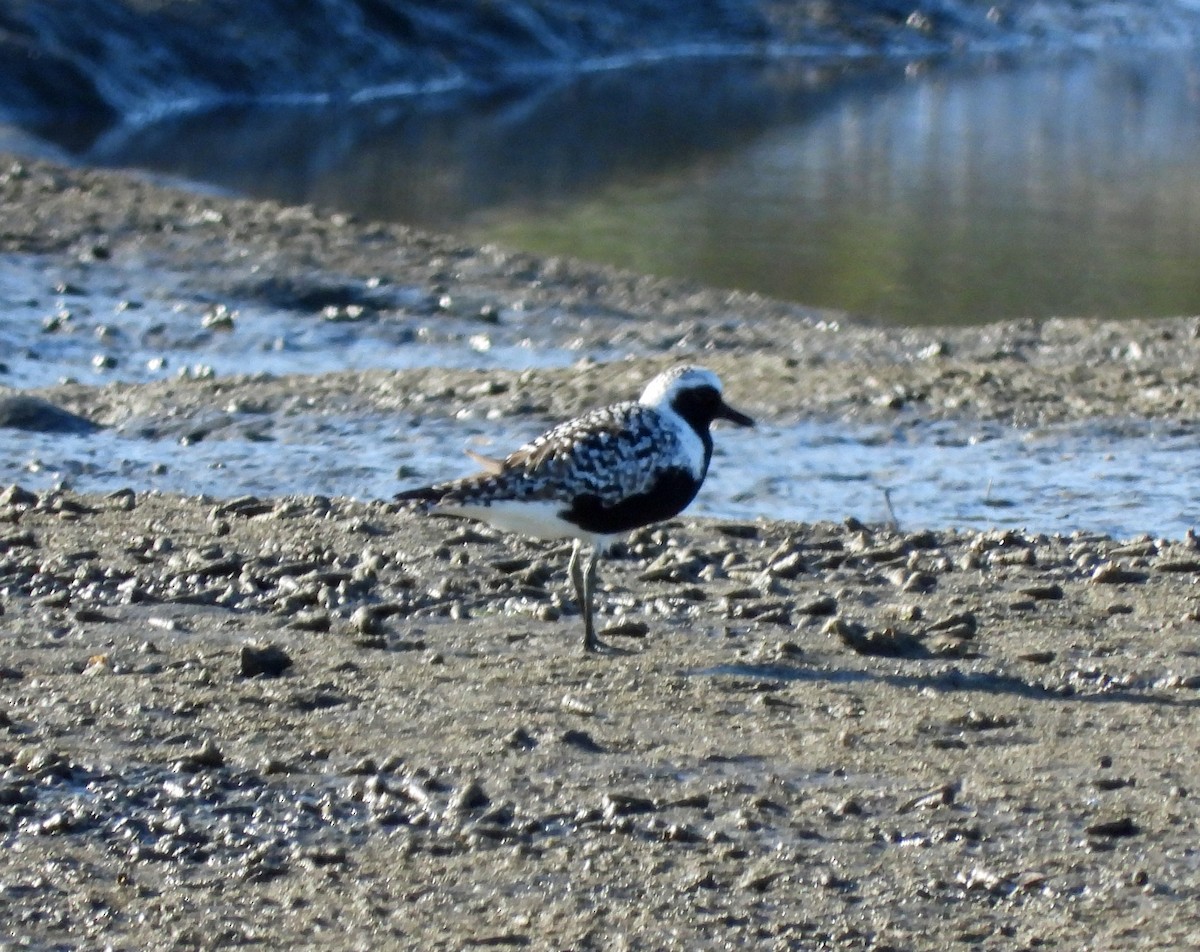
{"points": [[300, 722]]}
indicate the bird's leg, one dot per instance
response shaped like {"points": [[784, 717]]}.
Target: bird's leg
{"points": [[575, 570], [589, 589], [584, 580]]}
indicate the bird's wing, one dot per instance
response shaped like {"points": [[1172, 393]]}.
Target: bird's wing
{"points": [[489, 464], [611, 453]]}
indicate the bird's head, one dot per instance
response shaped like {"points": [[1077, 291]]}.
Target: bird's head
{"points": [[695, 393]]}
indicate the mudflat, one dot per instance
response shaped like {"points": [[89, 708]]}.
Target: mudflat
{"points": [[299, 721]]}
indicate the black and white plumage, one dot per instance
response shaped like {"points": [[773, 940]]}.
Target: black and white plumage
{"points": [[600, 475]]}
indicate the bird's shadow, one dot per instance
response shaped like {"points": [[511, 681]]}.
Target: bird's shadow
{"points": [[953, 681]]}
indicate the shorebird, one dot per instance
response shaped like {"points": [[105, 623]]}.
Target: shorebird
{"points": [[595, 477]]}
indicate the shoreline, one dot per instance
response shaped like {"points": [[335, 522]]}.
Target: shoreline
{"points": [[79, 226]]}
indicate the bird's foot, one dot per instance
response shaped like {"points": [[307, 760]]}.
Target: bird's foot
{"points": [[594, 645]]}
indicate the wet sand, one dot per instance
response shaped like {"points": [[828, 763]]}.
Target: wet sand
{"points": [[291, 722]]}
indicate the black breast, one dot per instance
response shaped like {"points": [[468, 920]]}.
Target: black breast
{"points": [[670, 494]]}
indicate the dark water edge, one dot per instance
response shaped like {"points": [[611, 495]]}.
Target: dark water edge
{"points": [[75, 69], [100, 61], [566, 128], [963, 191]]}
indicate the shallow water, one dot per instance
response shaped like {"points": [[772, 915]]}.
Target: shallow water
{"points": [[99, 323], [955, 193], [1121, 480], [1117, 478]]}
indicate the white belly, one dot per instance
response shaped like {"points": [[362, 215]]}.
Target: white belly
{"points": [[538, 519]]}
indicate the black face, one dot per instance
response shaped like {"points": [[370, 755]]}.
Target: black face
{"points": [[701, 405]]}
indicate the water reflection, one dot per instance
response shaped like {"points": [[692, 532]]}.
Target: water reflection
{"points": [[963, 193]]}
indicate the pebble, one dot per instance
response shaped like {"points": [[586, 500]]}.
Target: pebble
{"points": [[262, 660], [15, 495], [1110, 573], [888, 643], [960, 625], [941, 796], [581, 740], [919, 582], [470, 796], [573, 705], [318, 621], [620, 804], [626, 629], [520, 739], [822, 605], [1044, 592], [1118, 827], [207, 756], [22, 412], [366, 620]]}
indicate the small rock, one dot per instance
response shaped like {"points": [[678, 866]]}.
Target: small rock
{"points": [[209, 756], [757, 880], [15, 495], [471, 796], [924, 539], [961, 625], [822, 605], [626, 629], [619, 804], [888, 643], [268, 661], [788, 566], [1114, 783], [1121, 826], [572, 705], [919, 582], [244, 506], [520, 739], [1180, 565], [218, 318], [123, 500], [365, 620], [320, 856], [91, 615], [581, 740], [1051, 592], [38, 761], [311, 621], [18, 540], [942, 796], [21, 412], [1110, 573], [738, 530]]}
